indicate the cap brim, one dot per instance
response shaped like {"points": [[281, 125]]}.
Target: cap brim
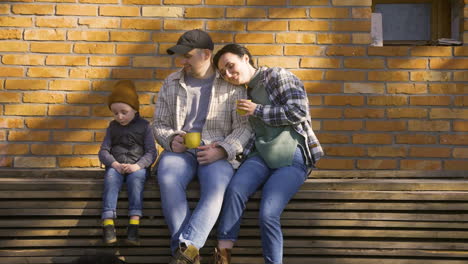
{"points": [[179, 49]]}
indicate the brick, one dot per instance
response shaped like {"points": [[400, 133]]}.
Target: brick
{"points": [[353, 76], [68, 110], [43, 97], [430, 100], [364, 63], [25, 84], [339, 100], [88, 123], [44, 34], [308, 25], [330, 138], [345, 51], [448, 113], [35, 162], [28, 136], [86, 98], [376, 164], [47, 72], [326, 113], [73, 136], [406, 113], [245, 13], [361, 38], [448, 88], [267, 25], [287, 13], [364, 12], [407, 63], [132, 73], [314, 101], [460, 126], [372, 138], [130, 36], [4, 9], [453, 64], [430, 76], [426, 125], [11, 46], [454, 139], [135, 49], [263, 2], [416, 139], [66, 60], [461, 51], [333, 38], [342, 125], [308, 75], [420, 164], [162, 74], [220, 37], [388, 51], [253, 38], [11, 34], [89, 149], [23, 22], [100, 22], [456, 165], [224, 2], [351, 25], [51, 149], [69, 85], [53, 22], [461, 101], [352, 2], [406, 88], [265, 50], [50, 47], [285, 62], [182, 24], [295, 38], [10, 97], [225, 25], [14, 149], [94, 48], [430, 152], [363, 113], [23, 59], [336, 164], [182, 2], [385, 125], [11, 72], [141, 2], [303, 50], [23, 110], [460, 76], [319, 63], [7, 122], [204, 12], [76, 10], [90, 73], [88, 35], [329, 12], [383, 151], [364, 88], [77, 162], [344, 151], [309, 2], [119, 11], [99, 1], [393, 76], [428, 51], [148, 24], [153, 62], [109, 61], [460, 153], [322, 87], [2, 135], [45, 123]]}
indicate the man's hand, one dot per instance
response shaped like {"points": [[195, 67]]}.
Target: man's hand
{"points": [[131, 168], [210, 153], [120, 168], [177, 144]]}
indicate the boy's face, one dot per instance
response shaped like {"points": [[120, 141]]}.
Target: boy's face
{"points": [[123, 113]]}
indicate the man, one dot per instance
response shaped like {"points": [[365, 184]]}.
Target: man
{"points": [[196, 99]]}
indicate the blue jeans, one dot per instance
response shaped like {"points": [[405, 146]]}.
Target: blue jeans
{"points": [[113, 181], [174, 172], [279, 186]]}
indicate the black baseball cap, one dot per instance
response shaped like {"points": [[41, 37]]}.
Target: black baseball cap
{"points": [[192, 39]]}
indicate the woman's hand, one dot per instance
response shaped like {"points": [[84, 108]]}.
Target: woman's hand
{"points": [[246, 105]]}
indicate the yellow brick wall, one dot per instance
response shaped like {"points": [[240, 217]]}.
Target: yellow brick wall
{"points": [[393, 107]]}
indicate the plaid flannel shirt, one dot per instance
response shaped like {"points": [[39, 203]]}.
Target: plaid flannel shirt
{"points": [[290, 106], [222, 125]]}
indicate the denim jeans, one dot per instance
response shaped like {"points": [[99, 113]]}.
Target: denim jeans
{"points": [[279, 186], [113, 181], [174, 172]]}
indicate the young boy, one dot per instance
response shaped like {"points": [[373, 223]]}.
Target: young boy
{"points": [[127, 151]]}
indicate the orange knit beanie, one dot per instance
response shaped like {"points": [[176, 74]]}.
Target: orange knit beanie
{"points": [[124, 92]]}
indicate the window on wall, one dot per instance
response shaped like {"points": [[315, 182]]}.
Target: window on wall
{"points": [[417, 22]]}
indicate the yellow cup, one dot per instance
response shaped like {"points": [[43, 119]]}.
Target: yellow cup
{"points": [[240, 111], [192, 139]]}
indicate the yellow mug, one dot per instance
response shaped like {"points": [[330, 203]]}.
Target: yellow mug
{"points": [[192, 139], [240, 111]]}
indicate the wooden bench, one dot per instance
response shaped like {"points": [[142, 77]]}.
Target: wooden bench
{"points": [[54, 218]]}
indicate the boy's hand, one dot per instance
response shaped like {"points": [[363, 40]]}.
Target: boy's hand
{"points": [[131, 168], [120, 168], [210, 153], [177, 144]]}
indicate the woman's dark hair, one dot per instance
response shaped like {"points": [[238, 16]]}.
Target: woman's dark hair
{"points": [[234, 49]]}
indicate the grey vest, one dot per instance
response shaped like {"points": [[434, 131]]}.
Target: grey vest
{"points": [[128, 141]]}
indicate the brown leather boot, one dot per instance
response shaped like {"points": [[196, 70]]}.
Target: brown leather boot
{"points": [[221, 256]]}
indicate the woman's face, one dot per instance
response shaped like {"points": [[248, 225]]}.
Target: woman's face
{"points": [[235, 69]]}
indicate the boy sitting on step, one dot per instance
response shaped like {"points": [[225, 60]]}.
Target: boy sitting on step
{"points": [[128, 150]]}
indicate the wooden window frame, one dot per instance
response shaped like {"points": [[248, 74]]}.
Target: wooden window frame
{"points": [[440, 20]]}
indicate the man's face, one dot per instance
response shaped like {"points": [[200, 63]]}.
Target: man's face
{"points": [[194, 61]]}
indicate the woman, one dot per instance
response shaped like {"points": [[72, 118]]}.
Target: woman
{"points": [[279, 155]]}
